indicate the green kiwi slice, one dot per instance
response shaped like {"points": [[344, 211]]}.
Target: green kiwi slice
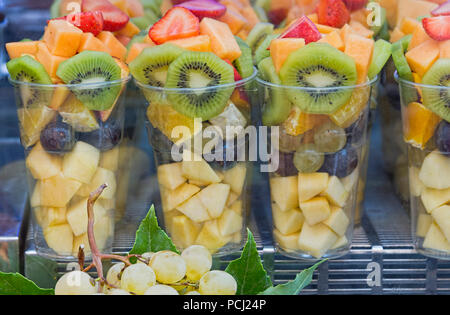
{"points": [[261, 51], [92, 67], [438, 99], [381, 54], [319, 65], [244, 64], [398, 56], [199, 70], [277, 106], [258, 33]]}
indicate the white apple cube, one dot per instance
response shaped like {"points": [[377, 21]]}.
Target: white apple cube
{"points": [[59, 238], [170, 175], [110, 159], [58, 190], [194, 209], [288, 242], [214, 198], [315, 210], [424, 222], [287, 222], [415, 184], [184, 231], [82, 162], [433, 198], [435, 239], [316, 239], [435, 171], [101, 176], [172, 198], [78, 218], [335, 192], [311, 184], [235, 177], [210, 236], [284, 192], [441, 216], [194, 167], [230, 222], [41, 164], [337, 221]]}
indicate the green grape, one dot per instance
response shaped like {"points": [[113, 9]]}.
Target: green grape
{"points": [[169, 267], [193, 293], [288, 143], [113, 274], [329, 138], [198, 261], [76, 283], [161, 289], [146, 256], [307, 159], [217, 282], [118, 292], [137, 278]]}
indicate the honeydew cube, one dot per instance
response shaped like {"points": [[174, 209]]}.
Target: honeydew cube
{"points": [[170, 175], [50, 216], [315, 210], [232, 197], [342, 241], [441, 216], [35, 199], [214, 198], [184, 231], [316, 239], [311, 184], [235, 177], [435, 171], [237, 207], [435, 239], [335, 192], [58, 190], [172, 198], [82, 162], [59, 238], [210, 236], [41, 164], [287, 222], [415, 184], [424, 222], [77, 216], [62, 38], [230, 222], [433, 198], [284, 192], [288, 242], [194, 209], [102, 176], [337, 221], [194, 167], [110, 159], [351, 180]]}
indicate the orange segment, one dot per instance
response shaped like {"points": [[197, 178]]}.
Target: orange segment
{"points": [[281, 48], [17, 49], [62, 38], [299, 122], [422, 57], [223, 43], [419, 124], [360, 49], [345, 116], [195, 43], [50, 62]]}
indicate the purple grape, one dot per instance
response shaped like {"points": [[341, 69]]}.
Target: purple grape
{"points": [[443, 137], [105, 138], [57, 137], [286, 165], [341, 163]]}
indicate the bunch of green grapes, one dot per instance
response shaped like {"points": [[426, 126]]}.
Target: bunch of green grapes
{"points": [[161, 273]]}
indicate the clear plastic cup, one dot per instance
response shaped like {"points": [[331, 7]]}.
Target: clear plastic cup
{"points": [[313, 190], [69, 152], [428, 139], [203, 168]]}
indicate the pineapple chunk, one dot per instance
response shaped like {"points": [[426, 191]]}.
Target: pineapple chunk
{"points": [[78, 218], [311, 184], [210, 236], [194, 167], [168, 219], [50, 216], [230, 222], [433, 198], [335, 192], [82, 162], [415, 184], [435, 171], [101, 176], [337, 221], [441, 216], [59, 238], [284, 192], [110, 159], [351, 180], [235, 177], [435, 239], [172, 198], [170, 175], [184, 231], [102, 232], [41, 164], [342, 241], [214, 198], [424, 222], [35, 200], [315, 210], [194, 209], [236, 207], [232, 197], [58, 190], [288, 243], [236, 238], [287, 222], [317, 239]]}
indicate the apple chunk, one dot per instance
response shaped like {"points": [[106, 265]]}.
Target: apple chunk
{"points": [[286, 242]]}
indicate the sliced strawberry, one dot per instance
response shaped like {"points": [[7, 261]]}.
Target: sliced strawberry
{"points": [[354, 5], [333, 13], [443, 9], [177, 23], [303, 28], [438, 27], [276, 16], [88, 22], [237, 75], [204, 8], [113, 18]]}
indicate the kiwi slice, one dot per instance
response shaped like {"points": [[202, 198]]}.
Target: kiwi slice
{"points": [[244, 64], [261, 13], [405, 41], [261, 51], [199, 70], [319, 65], [381, 54], [258, 33], [277, 106], [438, 99], [398, 56], [92, 67]]}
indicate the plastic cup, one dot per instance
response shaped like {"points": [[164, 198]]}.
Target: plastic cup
{"points": [[204, 185], [69, 152], [428, 139], [313, 190]]}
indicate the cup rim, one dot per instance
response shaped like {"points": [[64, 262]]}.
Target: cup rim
{"points": [[201, 89], [414, 84], [70, 86]]}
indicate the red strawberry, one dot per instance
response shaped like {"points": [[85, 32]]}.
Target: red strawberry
{"points": [[303, 28], [237, 75], [438, 27], [114, 18], [204, 8], [443, 9], [177, 23], [88, 22], [354, 5], [333, 13], [276, 16]]}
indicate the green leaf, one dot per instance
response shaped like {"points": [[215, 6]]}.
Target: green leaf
{"points": [[295, 286], [16, 284], [150, 237], [248, 271]]}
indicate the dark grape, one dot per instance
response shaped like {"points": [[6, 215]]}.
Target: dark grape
{"points": [[57, 137], [341, 163], [105, 138], [356, 131], [286, 165], [443, 137]]}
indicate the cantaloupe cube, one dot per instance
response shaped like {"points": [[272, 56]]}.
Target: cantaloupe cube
{"points": [[195, 43], [316, 239], [210, 236], [58, 190], [337, 221], [214, 198], [135, 50], [235, 177], [90, 42], [184, 231], [334, 39], [424, 222], [313, 17], [49, 61], [82, 162], [41, 164], [281, 48], [360, 29], [311, 185], [289, 242], [396, 34], [233, 19], [223, 43], [413, 9], [172, 198], [62, 38], [287, 222], [284, 192], [17, 49], [113, 45], [325, 29], [170, 175], [441, 216], [408, 25], [130, 30], [243, 34], [315, 210], [135, 8], [59, 238], [335, 192], [360, 49], [422, 57], [121, 4], [230, 222], [419, 36], [391, 11], [251, 17], [434, 198], [124, 40], [77, 216], [444, 49], [435, 239], [360, 16], [345, 31]]}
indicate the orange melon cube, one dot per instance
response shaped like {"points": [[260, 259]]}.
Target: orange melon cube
{"points": [[124, 40], [419, 124], [223, 43], [334, 39], [130, 30], [252, 18], [444, 49], [413, 9], [360, 49], [90, 42], [325, 29], [195, 43], [113, 45], [408, 25], [135, 50], [62, 38], [236, 5], [360, 29], [419, 36], [48, 60], [17, 49], [359, 16], [148, 40], [234, 19], [345, 31], [121, 4], [422, 57], [243, 34], [281, 48], [313, 17], [396, 35]]}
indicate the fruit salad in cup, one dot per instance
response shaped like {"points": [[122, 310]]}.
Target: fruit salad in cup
{"points": [[316, 90], [422, 64], [196, 76], [69, 99]]}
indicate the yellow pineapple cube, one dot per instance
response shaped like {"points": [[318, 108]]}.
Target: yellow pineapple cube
{"points": [[435, 171], [110, 159], [424, 222], [35, 199], [58, 190], [77, 216], [237, 207], [316, 239], [441, 216], [232, 197], [194, 209], [287, 222], [82, 162], [41, 164], [59, 238], [210, 236], [170, 175], [341, 242], [172, 198], [288, 242], [335, 192], [50, 216], [235, 177], [337, 221], [284, 192], [315, 210], [184, 231], [435, 239], [433, 198], [311, 184], [230, 222], [101, 176], [416, 185], [214, 198], [194, 167]]}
